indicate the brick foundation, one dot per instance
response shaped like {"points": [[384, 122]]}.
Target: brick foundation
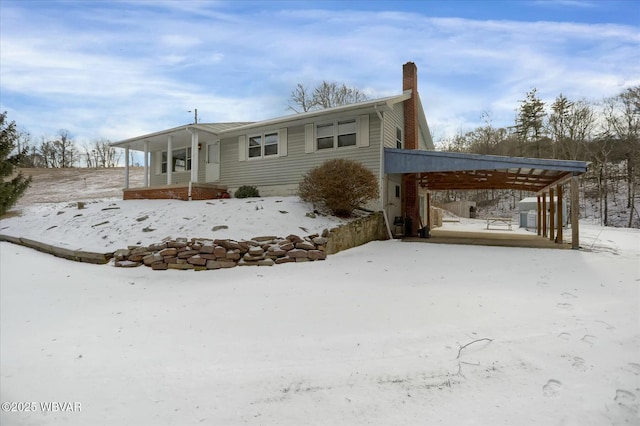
{"points": [[199, 191]]}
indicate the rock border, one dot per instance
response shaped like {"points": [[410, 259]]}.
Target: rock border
{"points": [[206, 254]]}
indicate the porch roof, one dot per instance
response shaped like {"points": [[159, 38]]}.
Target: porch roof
{"points": [[452, 170], [181, 136]]}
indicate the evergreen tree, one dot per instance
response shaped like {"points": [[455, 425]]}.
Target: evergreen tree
{"points": [[13, 185]]}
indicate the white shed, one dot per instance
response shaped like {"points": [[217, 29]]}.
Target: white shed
{"points": [[530, 205]]}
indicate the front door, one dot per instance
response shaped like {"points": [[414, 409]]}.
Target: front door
{"points": [[213, 161]]}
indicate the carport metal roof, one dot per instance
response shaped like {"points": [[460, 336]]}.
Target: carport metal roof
{"points": [[452, 170]]}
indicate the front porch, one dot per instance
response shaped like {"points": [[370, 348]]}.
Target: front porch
{"points": [[180, 191]]}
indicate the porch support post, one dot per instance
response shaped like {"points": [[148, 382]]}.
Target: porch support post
{"points": [[539, 211], [552, 215], [429, 210], [544, 214], [559, 236], [146, 164], [575, 206], [194, 157], [169, 159], [126, 168]]}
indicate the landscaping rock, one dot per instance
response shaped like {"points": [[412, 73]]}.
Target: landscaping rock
{"points": [[297, 253], [202, 253]]}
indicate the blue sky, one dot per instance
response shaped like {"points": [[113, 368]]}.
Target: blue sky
{"points": [[122, 69]]}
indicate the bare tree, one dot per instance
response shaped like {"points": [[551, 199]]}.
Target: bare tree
{"points": [[60, 152], [622, 116], [570, 125], [325, 95], [101, 154], [301, 99]]}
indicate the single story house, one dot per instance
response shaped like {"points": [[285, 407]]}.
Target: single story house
{"points": [[198, 161], [390, 136]]}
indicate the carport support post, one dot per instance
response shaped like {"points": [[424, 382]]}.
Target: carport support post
{"points": [[429, 210], [575, 206], [552, 215], [559, 236], [539, 228], [544, 214]]}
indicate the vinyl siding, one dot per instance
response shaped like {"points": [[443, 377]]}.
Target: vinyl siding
{"points": [[289, 169], [392, 120]]}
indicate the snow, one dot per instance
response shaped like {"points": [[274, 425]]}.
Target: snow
{"points": [[372, 335], [108, 225]]}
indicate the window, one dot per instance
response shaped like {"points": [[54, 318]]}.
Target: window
{"points": [[398, 138], [339, 134], [181, 160], [347, 133], [271, 144], [255, 146], [324, 136], [263, 145], [397, 191]]}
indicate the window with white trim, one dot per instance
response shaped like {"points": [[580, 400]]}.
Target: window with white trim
{"points": [[181, 159], [337, 134], [263, 145], [399, 139]]}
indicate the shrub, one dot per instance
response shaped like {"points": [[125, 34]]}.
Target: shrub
{"points": [[340, 185], [247, 191]]}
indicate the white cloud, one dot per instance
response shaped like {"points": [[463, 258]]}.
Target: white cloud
{"points": [[136, 66]]}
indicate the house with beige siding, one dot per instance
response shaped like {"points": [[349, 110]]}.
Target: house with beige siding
{"points": [[203, 160]]}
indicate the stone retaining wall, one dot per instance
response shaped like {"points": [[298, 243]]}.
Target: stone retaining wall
{"points": [[202, 254], [75, 255], [357, 232]]}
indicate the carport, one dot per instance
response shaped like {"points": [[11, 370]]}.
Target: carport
{"points": [[437, 171]]}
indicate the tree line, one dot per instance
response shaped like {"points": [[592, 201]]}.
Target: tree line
{"points": [[61, 151], [605, 134]]}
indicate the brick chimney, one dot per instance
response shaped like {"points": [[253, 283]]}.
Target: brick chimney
{"points": [[410, 203], [410, 82]]}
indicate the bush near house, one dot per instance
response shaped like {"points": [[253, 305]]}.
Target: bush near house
{"points": [[247, 191], [339, 185]]}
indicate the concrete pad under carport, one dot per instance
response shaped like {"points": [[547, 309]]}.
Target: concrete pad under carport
{"points": [[489, 238]]}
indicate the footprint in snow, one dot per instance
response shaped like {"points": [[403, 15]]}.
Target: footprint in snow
{"points": [[564, 336], [565, 306], [624, 397], [590, 339], [635, 368], [578, 364], [552, 388], [569, 296]]}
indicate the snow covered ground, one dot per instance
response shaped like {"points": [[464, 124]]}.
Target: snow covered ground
{"points": [[389, 333]]}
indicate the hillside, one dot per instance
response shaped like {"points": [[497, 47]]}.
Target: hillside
{"points": [[77, 184]]}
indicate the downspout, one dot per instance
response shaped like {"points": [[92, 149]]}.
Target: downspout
{"points": [[383, 178]]}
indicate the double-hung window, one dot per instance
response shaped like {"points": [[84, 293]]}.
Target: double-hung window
{"points": [[263, 145], [338, 134], [399, 138], [181, 160]]}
